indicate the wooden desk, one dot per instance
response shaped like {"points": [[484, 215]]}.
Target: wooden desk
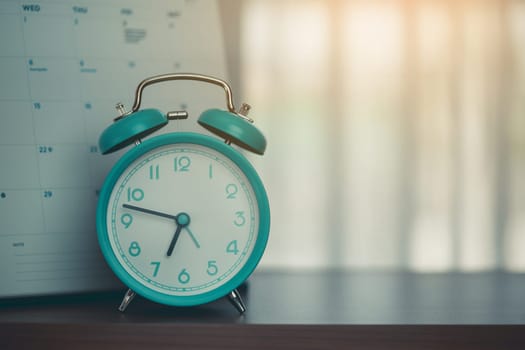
{"points": [[290, 310]]}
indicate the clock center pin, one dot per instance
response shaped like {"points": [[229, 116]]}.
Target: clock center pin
{"points": [[182, 219]]}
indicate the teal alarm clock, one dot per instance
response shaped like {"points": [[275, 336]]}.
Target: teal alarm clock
{"points": [[183, 218]]}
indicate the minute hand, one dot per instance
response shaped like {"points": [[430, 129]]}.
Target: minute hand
{"points": [[149, 211]]}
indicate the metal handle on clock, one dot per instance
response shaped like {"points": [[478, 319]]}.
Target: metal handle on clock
{"points": [[195, 77]]}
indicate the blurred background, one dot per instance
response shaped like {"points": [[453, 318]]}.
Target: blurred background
{"points": [[396, 129]]}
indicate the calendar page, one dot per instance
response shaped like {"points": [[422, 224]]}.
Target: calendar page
{"points": [[64, 65]]}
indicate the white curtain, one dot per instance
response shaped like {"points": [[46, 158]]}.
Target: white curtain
{"points": [[396, 131]]}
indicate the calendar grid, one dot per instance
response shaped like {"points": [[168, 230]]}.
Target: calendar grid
{"points": [[65, 64]]}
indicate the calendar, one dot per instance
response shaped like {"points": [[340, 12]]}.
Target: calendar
{"points": [[64, 65]]}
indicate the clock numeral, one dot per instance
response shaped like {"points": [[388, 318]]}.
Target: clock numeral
{"points": [[135, 194], [126, 220], [181, 163], [157, 266], [184, 276], [212, 268], [240, 220], [134, 249], [232, 247], [154, 172], [210, 171], [231, 191]]}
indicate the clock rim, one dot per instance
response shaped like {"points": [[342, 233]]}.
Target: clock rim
{"points": [[260, 196]]}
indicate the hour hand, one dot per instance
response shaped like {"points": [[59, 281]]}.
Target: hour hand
{"points": [[182, 220]]}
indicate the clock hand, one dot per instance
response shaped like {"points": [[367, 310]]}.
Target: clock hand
{"points": [[149, 211], [174, 240], [182, 220], [197, 244]]}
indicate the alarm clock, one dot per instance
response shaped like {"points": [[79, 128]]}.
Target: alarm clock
{"points": [[183, 218]]}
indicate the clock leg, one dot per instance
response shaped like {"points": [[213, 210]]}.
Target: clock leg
{"points": [[128, 297], [236, 300]]}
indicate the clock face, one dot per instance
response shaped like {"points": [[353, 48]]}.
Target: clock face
{"points": [[183, 219]]}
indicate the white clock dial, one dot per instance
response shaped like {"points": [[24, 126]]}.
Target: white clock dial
{"points": [[182, 219]]}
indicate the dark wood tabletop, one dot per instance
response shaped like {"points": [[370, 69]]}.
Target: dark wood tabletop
{"points": [[289, 310]]}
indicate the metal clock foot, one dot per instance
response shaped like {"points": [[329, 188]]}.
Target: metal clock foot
{"points": [[236, 300], [128, 297]]}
